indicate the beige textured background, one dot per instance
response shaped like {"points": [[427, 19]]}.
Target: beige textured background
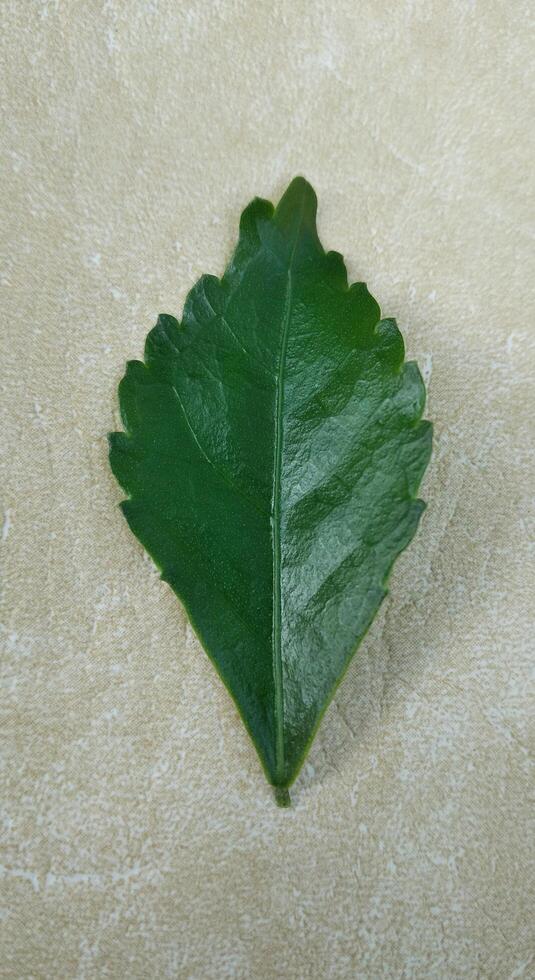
{"points": [[139, 839]]}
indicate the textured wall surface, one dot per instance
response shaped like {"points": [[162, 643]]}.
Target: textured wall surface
{"points": [[139, 839]]}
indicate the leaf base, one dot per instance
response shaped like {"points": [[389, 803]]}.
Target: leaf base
{"points": [[282, 796]]}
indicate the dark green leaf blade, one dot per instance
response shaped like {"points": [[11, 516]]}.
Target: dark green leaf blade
{"points": [[272, 454]]}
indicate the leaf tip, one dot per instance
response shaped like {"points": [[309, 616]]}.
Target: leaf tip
{"points": [[299, 185], [299, 194]]}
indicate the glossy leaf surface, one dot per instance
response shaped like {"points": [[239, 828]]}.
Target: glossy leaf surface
{"points": [[272, 454]]}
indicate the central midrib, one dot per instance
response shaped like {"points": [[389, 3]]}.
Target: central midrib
{"points": [[276, 517]]}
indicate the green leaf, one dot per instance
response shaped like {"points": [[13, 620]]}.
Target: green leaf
{"points": [[272, 454]]}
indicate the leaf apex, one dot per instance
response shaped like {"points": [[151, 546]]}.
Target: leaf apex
{"points": [[300, 186], [299, 195]]}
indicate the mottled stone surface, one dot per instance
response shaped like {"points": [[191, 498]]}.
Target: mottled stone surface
{"points": [[139, 839]]}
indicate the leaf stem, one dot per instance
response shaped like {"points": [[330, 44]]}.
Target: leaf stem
{"points": [[282, 796]]}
